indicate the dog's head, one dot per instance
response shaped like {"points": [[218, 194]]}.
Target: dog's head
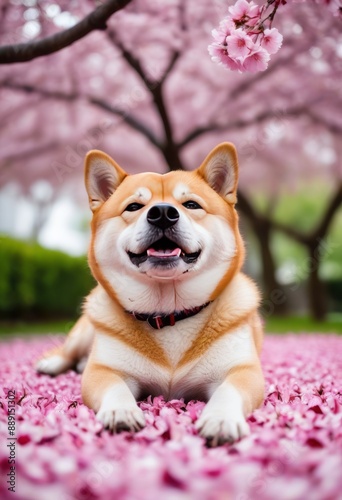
{"points": [[152, 230]]}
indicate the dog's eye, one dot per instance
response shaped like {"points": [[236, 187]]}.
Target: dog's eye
{"points": [[191, 205], [133, 207]]}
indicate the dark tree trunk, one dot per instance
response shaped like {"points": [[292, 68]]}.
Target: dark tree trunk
{"points": [[263, 234], [274, 297], [172, 157], [316, 288]]}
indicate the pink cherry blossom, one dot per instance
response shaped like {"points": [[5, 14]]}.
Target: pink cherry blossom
{"points": [[239, 44], [243, 9], [219, 54], [219, 36], [227, 25], [256, 61], [272, 40]]}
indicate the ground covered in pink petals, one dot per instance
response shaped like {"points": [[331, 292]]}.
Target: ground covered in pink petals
{"points": [[294, 450]]}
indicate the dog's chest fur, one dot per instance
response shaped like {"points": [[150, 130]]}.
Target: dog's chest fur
{"points": [[198, 354]]}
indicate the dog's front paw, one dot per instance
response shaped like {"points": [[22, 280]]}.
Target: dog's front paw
{"points": [[218, 428], [121, 419], [53, 364]]}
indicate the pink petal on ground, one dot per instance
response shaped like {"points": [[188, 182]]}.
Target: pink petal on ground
{"points": [[294, 450]]}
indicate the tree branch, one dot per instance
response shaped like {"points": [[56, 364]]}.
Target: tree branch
{"points": [[253, 80], [130, 59], [131, 120], [30, 89], [29, 153], [153, 86], [259, 220], [217, 127], [174, 58], [333, 206], [309, 240], [288, 231], [334, 128], [168, 147], [135, 64], [96, 20]]}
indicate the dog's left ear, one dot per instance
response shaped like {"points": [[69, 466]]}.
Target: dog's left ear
{"points": [[102, 177], [220, 170]]}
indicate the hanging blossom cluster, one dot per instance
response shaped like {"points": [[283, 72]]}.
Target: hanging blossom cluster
{"points": [[245, 39]]}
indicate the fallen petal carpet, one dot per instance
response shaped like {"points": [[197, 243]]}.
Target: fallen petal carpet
{"points": [[61, 452]]}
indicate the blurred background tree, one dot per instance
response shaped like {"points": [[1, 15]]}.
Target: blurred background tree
{"points": [[135, 79]]}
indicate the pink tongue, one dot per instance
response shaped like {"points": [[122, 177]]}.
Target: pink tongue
{"points": [[151, 252]]}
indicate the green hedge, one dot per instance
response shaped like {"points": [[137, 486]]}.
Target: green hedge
{"points": [[36, 282]]}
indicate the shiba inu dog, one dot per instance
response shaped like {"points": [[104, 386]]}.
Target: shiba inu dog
{"points": [[172, 313]]}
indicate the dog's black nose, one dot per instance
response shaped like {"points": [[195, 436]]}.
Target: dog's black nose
{"points": [[163, 215]]}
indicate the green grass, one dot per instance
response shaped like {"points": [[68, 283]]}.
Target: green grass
{"points": [[274, 324], [297, 324], [30, 328]]}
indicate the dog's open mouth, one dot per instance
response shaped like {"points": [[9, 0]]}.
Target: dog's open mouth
{"points": [[163, 251]]}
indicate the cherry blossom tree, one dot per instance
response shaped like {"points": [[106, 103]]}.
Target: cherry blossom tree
{"points": [[141, 85]]}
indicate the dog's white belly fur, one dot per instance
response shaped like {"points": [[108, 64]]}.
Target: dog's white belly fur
{"points": [[196, 379]]}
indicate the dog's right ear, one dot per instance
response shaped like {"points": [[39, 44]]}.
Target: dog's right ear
{"points": [[102, 177]]}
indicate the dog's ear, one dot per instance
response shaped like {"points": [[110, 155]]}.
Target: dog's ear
{"points": [[220, 170], [102, 177]]}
